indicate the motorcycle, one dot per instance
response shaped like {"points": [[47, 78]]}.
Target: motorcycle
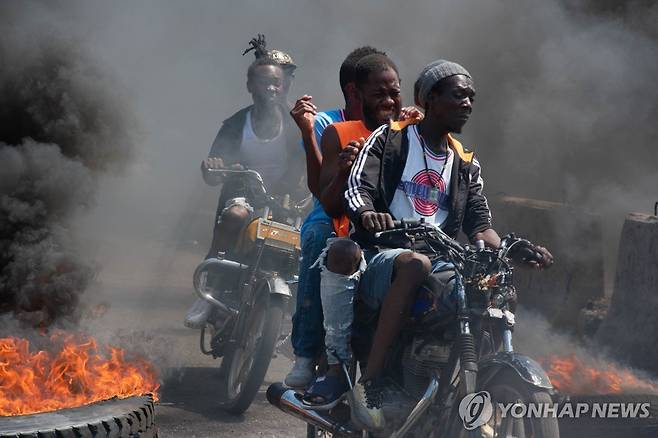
{"points": [[250, 291], [444, 371]]}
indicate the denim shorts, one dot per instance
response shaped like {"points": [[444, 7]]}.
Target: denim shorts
{"points": [[378, 276]]}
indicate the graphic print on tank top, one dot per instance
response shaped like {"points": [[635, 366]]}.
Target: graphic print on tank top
{"points": [[423, 192]]}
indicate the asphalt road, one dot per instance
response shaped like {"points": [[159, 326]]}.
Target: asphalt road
{"points": [[147, 286]]}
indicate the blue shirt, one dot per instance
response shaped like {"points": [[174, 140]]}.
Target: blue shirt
{"points": [[322, 120]]}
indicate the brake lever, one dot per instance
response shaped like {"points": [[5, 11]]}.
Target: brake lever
{"points": [[526, 251]]}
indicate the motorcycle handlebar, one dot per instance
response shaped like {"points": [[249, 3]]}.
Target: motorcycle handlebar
{"points": [[402, 225], [524, 250], [408, 223], [419, 226], [220, 172]]}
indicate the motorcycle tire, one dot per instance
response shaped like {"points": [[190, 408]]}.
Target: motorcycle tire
{"points": [[132, 417], [506, 387], [268, 314]]}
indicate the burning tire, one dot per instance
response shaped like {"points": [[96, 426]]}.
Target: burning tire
{"points": [[133, 417]]}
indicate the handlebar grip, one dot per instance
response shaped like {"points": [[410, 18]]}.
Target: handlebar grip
{"points": [[402, 224], [229, 170], [407, 223], [530, 254]]}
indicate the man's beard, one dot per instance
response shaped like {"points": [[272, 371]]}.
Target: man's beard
{"points": [[369, 117]]}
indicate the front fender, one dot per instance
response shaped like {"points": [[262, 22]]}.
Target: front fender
{"points": [[528, 369], [278, 286]]}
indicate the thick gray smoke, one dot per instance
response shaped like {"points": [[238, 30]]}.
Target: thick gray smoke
{"points": [[565, 111], [61, 122], [565, 104]]}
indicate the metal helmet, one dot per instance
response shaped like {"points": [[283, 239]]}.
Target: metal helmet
{"points": [[282, 58], [259, 47]]}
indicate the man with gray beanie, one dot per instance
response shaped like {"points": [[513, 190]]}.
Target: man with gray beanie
{"points": [[412, 172]]}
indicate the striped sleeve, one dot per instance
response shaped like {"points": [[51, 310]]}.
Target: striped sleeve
{"points": [[477, 217], [362, 183]]}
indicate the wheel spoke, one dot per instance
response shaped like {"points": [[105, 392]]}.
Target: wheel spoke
{"points": [[242, 362]]}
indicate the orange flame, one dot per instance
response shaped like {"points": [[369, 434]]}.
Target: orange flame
{"points": [[571, 375], [77, 374]]}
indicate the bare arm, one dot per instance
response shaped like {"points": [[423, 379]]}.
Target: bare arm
{"points": [[330, 180], [335, 170], [304, 113]]}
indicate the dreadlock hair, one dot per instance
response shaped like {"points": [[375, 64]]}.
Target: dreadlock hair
{"points": [[258, 45], [347, 72], [374, 63], [251, 71]]}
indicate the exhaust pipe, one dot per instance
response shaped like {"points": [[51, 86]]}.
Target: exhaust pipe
{"points": [[287, 400], [201, 276]]}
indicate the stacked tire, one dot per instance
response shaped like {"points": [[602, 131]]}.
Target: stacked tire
{"points": [[127, 418]]}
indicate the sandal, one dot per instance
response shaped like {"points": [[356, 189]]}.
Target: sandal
{"points": [[325, 392]]}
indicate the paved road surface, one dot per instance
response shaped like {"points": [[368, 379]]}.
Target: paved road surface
{"points": [[148, 287]]}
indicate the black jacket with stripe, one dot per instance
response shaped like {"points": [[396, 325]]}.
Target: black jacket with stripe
{"points": [[375, 176]]}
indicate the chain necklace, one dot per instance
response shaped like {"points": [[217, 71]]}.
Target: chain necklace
{"points": [[427, 169]]}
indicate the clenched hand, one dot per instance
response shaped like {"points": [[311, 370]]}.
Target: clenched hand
{"points": [[216, 163], [304, 113], [411, 113], [347, 156], [376, 222]]}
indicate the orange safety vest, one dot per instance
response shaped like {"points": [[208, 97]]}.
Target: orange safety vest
{"points": [[348, 131]]}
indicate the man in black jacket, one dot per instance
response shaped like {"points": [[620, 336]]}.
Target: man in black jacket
{"points": [[261, 137], [414, 171]]}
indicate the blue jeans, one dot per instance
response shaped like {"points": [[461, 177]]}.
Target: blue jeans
{"points": [[337, 292], [307, 323]]}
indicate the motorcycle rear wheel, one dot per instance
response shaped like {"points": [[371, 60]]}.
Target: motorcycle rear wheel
{"points": [[244, 367], [509, 387]]}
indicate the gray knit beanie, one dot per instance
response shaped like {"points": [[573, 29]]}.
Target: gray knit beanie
{"points": [[433, 73]]}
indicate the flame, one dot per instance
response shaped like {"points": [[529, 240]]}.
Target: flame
{"points": [[571, 375], [77, 374]]}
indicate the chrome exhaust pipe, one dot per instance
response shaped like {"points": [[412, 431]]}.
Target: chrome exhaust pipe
{"points": [[287, 400], [201, 277], [423, 404]]}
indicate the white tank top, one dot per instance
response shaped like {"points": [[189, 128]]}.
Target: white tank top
{"points": [[267, 157], [423, 192]]}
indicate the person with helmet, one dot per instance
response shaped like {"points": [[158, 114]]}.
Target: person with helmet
{"points": [[259, 47], [261, 137]]}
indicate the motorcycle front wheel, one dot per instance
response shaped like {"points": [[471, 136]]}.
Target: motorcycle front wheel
{"points": [[509, 387], [245, 364]]}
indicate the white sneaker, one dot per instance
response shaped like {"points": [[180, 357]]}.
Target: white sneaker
{"points": [[365, 401], [301, 374], [198, 314]]}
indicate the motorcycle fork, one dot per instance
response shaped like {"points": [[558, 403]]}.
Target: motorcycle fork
{"points": [[247, 300], [459, 378], [468, 367]]}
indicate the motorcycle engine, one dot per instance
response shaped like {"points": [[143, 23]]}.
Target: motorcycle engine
{"points": [[422, 359]]}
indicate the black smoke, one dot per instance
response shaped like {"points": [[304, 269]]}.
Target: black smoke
{"points": [[62, 122]]}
